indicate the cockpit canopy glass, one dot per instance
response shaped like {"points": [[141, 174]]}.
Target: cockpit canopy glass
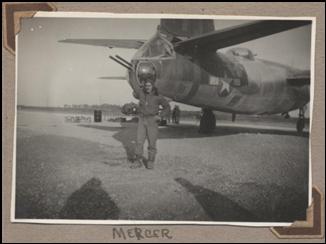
{"points": [[158, 46]]}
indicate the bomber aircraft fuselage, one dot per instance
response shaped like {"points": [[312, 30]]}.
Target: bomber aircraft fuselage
{"points": [[183, 61], [234, 81]]}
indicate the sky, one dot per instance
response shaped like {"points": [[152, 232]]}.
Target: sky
{"points": [[53, 74]]}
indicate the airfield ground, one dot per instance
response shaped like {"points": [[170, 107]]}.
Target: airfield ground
{"points": [[242, 172]]}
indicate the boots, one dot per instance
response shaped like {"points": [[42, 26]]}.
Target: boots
{"points": [[150, 162], [137, 163]]}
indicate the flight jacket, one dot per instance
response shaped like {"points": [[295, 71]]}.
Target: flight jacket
{"points": [[149, 104]]}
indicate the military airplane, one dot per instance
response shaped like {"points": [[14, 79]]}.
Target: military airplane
{"points": [[183, 60]]}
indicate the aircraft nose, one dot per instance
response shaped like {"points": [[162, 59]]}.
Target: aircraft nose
{"points": [[146, 72]]}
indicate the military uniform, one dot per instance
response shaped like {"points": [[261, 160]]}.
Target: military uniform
{"points": [[147, 123]]}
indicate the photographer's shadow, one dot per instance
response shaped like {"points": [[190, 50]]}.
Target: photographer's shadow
{"points": [[90, 202]]}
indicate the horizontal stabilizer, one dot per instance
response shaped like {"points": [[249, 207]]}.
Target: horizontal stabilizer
{"points": [[112, 78], [235, 35], [300, 78], [110, 43], [298, 81]]}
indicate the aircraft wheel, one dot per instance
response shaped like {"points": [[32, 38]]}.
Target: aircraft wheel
{"points": [[300, 125], [207, 122]]}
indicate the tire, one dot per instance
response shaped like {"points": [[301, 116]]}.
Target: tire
{"points": [[207, 123]]}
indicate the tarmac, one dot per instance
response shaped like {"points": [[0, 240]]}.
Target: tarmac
{"points": [[241, 173]]}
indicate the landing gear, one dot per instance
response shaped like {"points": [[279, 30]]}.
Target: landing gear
{"points": [[286, 115], [207, 122], [233, 117], [300, 122]]}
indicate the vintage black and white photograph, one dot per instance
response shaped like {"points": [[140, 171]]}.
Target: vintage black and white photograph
{"points": [[163, 119]]}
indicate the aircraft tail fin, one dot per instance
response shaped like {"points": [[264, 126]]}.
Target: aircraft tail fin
{"points": [[186, 28]]}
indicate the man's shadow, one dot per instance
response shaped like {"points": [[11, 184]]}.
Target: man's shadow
{"points": [[126, 134], [217, 206], [90, 202], [278, 204]]}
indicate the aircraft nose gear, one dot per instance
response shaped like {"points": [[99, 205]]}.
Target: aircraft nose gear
{"points": [[146, 72], [300, 121], [207, 122]]}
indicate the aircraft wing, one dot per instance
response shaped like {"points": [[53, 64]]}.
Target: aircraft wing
{"points": [[236, 34], [120, 43]]}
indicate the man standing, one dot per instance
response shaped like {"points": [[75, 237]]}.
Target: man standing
{"points": [[149, 103], [176, 114]]}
